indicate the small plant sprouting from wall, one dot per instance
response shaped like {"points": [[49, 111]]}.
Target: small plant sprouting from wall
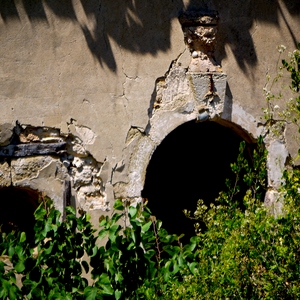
{"points": [[281, 111]]}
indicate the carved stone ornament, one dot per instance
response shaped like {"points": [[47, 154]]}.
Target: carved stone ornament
{"points": [[209, 92], [207, 81], [199, 29]]}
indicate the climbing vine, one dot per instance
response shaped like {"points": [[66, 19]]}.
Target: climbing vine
{"points": [[282, 92]]}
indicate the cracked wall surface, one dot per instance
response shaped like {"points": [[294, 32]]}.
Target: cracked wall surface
{"points": [[103, 83]]}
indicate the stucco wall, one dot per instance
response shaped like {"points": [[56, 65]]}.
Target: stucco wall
{"points": [[90, 69]]}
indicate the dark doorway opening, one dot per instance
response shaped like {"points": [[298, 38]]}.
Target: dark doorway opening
{"points": [[17, 209], [191, 163]]}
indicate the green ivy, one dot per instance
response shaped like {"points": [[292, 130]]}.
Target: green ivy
{"points": [[283, 106], [244, 253], [137, 261], [51, 268], [293, 67], [250, 253]]}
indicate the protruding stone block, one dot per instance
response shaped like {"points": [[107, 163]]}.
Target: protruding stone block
{"points": [[274, 202], [277, 156], [209, 91]]}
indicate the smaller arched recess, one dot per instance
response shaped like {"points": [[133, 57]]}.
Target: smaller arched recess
{"points": [[191, 163], [17, 209]]}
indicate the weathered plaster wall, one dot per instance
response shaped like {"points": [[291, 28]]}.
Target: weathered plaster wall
{"points": [[44, 159], [99, 74]]}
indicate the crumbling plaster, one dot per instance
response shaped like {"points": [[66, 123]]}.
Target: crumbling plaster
{"points": [[40, 165], [112, 82]]}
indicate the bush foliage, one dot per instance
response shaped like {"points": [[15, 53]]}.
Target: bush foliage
{"points": [[245, 252]]}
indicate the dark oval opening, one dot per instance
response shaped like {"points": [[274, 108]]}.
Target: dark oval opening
{"points": [[191, 163], [17, 209]]}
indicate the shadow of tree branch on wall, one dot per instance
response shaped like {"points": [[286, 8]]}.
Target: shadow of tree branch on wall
{"points": [[145, 26]]}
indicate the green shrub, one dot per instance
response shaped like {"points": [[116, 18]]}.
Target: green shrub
{"points": [[244, 253], [52, 268], [137, 261]]}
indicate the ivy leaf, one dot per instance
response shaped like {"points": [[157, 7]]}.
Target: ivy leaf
{"points": [[146, 226], [105, 284], [118, 294], [4, 290], [107, 290], [90, 293], [193, 268], [23, 237], [102, 234], [47, 227], [112, 232], [118, 205], [175, 268], [20, 267], [70, 210], [132, 211], [40, 212], [20, 251], [11, 251], [12, 292], [116, 217]]}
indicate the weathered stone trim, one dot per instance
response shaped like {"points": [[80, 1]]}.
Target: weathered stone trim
{"points": [[180, 98]]}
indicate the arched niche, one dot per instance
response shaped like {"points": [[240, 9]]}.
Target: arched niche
{"points": [[17, 209], [191, 163]]}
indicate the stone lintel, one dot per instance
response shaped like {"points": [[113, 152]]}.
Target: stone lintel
{"points": [[209, 91], [208, 84], [30, 149]]}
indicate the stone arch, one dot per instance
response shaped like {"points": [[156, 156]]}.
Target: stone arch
{"points": [[179, 97], [176, 102], [23, 180], [191, 163], [45, 174], [163, 123]]}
